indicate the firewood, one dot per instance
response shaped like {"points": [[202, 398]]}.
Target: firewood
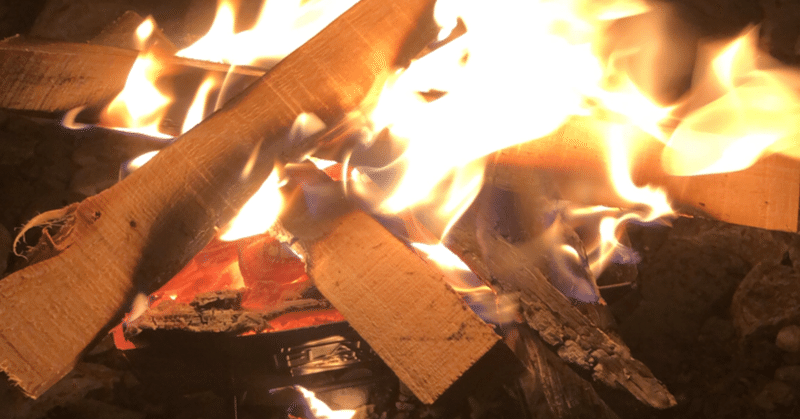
{"points": [[766, 195], [53, 77], [122, 34], [141, 231], [396, 300], [551, 388], [558, 322]]}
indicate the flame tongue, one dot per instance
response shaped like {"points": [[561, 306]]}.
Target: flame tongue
{"points": [[744, 107], [518, 72]]}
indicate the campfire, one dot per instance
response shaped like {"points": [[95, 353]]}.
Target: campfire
{"points": [[442, 193]]}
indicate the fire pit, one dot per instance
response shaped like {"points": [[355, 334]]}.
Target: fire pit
{"points": [[359, 284]]}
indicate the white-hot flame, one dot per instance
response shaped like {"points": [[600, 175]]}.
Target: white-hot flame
{"points": [[320, 410], [258, 214], [282, 26], [754, 112], [140, 106], [522, 69]]}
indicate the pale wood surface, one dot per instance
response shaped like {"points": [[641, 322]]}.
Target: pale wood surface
{"points": [[396, 300], [54, 77], [57, 76], [143, 230], [765, 195]]}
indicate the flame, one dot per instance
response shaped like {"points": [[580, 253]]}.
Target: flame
{"points": [[281, 27], [320, 410], [140, 106], [259, 213], [482, 299], [457, 274], [755, 113], [144, 31], [490, 96], [512, 71], [197, 110]]}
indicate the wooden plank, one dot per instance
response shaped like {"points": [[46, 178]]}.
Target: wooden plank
{"points": [[766, 195], [397, 301], [122, 34], [141, 231], [54, 77], [576, 339], [552, 390]]}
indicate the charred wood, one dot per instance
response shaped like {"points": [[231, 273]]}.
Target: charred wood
{"points": [[575, 338], [216, 312]]}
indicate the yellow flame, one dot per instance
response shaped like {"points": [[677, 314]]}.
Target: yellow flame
{"points": [[521, 69], [442, 256], [494, 97], [755, 113], [320, 410], [457, 273], [144, 31], [140, 106], [282, 26], [197, 109], [141, 160], [647, 204], [258, 214]]}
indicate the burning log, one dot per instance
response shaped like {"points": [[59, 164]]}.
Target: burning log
{"points": [[398, 302], [53, 77], [765, 195], [144, 229], [551, 388], [559, 323]]}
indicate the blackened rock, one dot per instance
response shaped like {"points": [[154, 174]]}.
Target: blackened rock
{"points": [[766, 300]]}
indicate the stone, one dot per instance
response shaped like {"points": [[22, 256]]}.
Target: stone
{"points": [[775, 393], [788, 338], [788, 373], [767, 299]]}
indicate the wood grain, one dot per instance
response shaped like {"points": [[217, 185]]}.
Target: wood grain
{"points": [[54, 77], [396, 300], [576, 339], [766, 195], [140, 232]]}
